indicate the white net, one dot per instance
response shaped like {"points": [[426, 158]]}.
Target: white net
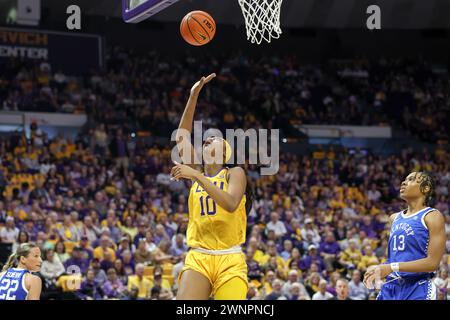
{"points": [[262, 19]]}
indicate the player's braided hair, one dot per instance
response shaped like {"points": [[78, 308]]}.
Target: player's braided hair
{"points": [[427, 187]]}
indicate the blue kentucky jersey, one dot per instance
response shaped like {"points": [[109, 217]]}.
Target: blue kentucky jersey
{"points": [[12, 285], [408, 240]]}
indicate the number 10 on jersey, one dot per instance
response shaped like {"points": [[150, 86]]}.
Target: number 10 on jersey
{"points": [[208, 206]]}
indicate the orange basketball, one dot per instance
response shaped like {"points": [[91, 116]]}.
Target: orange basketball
{"points": [[198, 28]]}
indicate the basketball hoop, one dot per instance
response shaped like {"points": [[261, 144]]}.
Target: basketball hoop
{"points": [[262, 19]]}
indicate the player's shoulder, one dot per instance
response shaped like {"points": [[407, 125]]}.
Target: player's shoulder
{"points": [[394, 216], [434, 216], [32, 279], [236, 170]]}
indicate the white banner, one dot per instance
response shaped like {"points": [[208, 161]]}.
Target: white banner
{"points": [[330, 131], [43, 119]]}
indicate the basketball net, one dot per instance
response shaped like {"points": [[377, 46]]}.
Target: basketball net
{"points": [[262, 19]]}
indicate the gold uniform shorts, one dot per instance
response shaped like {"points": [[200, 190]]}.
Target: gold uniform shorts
{"points": [[217, 268]]}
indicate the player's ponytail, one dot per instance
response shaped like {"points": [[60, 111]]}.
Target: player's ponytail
{"points": [[22, 251], [10, 263]]}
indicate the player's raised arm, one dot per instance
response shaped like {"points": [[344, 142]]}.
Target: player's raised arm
{"points": [[183, 136]]}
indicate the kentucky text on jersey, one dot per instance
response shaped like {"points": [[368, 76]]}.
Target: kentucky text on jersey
{"points": [[403, 226]]}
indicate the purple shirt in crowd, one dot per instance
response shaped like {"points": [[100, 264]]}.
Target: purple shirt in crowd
{"points": [[329, 247]]}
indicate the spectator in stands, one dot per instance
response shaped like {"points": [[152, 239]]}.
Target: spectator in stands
{"points": [[163, 253], [142, 255], [253, 267], [113, 287], [99, 274], [86, 249], [111, 224], [351, 257], [312, 283], [272, 253], [312, 257], [119, 150], [334, 277], [179, 247], [138, 281], [51, 269], [368, 259], [341, 290], [22, 238], [287, 246], [107, 262], [68, 231], [322, 293], [150, 245], [159, 281], [329, 250], [276, 291], [357, 290], [9, 233], [61, 253], [294, 261], [160, 234], [125, 244], [300, 290], [90, 289], [310, 230], [104, 247], [121, 272], [129, 228], [77, 261], [141, 233], [276, 225]]}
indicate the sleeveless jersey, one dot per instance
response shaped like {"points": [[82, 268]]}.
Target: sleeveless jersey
{"points": [[12, 285], [408, 241], [210, 226]]}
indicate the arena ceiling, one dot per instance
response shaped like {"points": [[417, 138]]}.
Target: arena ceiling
{"points": [[395, 14]]}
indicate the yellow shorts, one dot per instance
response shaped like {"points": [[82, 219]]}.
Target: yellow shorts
{"points": [[217, 268]]}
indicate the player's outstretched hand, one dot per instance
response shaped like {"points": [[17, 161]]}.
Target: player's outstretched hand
{"points": [[370, 276], [373, 278], [195, 91], [182, 171]]}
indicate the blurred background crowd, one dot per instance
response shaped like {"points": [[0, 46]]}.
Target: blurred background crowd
{"points": [[111, 224]]}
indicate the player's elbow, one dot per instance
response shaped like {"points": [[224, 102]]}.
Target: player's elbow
{"points": [[230, 207], [433, 265]]}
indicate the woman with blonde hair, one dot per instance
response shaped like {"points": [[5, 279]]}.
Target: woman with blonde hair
{"points": [[16, 280]]}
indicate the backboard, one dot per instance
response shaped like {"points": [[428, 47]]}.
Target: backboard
{"points": [[134, 11]]}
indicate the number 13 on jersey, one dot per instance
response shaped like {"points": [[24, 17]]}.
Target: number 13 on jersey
{"points": [[400, 245]]}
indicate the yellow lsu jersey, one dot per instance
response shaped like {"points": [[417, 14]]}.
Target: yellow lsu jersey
{"points": [[210, 226]]}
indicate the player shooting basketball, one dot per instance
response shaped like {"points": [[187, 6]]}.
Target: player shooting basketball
{"points": [[416, 245], [217, 216]]}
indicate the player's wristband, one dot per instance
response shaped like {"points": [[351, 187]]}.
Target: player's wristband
{"points": [[395, 267]]}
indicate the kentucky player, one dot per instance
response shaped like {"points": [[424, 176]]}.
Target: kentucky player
{"points": [[16, 281], [416, 245]]}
